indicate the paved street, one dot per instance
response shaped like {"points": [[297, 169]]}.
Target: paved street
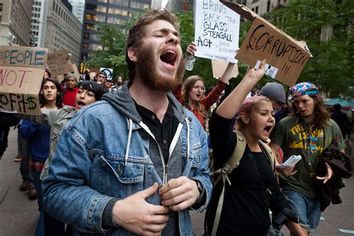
{"points": [[18, 215]]}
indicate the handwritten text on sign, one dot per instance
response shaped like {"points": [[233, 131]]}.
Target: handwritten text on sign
{"points": [[21, 103], [264, 41], [19, 88], [22, 56], [216, 30], [21, 75]]}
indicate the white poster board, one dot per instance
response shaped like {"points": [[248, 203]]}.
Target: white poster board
{"points": [[216, 30]]}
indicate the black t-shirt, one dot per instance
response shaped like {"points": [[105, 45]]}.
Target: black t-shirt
{"points": [[164, 131], [246, 202]]}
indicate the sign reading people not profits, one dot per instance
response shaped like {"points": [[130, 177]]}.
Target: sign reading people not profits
{"points": [[21, 75]]}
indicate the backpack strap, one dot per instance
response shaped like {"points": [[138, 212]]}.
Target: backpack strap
{"points": [[228, 167], [234, 159]]}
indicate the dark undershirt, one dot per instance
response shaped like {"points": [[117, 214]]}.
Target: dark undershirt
{"points": [[164, 131]]}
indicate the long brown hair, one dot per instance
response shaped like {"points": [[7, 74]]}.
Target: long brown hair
{"points": [[187, 87], [321, 113], [58, 101]]}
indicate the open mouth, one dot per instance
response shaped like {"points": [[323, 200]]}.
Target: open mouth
{"points": [[268, 128], [198, 95], [169, 57], [81, 104]]}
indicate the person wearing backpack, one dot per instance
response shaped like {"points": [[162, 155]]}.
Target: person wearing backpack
{"points": [[241, 200]]}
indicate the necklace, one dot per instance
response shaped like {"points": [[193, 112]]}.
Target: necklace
{"points": [[309, 142]]}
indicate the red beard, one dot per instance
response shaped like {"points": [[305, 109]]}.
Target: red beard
{"points": [[146, 69]]}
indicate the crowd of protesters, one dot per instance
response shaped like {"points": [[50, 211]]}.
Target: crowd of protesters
{"points": [[132, 158]]}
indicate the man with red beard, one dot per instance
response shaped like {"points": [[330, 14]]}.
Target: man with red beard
{"points": [[136, 162]]}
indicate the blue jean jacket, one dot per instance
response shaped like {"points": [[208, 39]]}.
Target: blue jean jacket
{"points": [[104, 153]]}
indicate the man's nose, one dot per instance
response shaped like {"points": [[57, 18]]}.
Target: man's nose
{"points": [[172, 38]]}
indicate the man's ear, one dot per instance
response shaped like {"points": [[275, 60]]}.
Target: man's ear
{"points": [[132, 54]]}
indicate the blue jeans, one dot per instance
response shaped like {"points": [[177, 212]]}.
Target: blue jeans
{"points": [[307, 208]]}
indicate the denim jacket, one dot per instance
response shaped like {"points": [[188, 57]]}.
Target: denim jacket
{"points": [[104, 152]]}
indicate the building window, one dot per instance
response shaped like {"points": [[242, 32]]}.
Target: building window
{"points": [[92, 7], [86, 36], [90, 17], [1, 6], [89, 26]]}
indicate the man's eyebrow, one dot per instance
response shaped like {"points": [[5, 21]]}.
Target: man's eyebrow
{"points": [[166, 31]]}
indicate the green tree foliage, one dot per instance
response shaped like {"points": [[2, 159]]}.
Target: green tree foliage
{"points": [[112, 54], [202, 67], [330, 67], [113, 39]]}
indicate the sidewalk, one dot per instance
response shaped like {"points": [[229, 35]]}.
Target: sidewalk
{"points": [[18, 214]]}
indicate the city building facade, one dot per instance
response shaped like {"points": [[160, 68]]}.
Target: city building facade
{"points": [[113, 12], [258, 6], [15, 22], [54, 26], [116, 12], [180, 6], [78, 9], [263, 6]]}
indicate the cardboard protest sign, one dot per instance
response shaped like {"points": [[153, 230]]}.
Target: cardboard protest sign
{"points": [[285, 56], [219, 68], [76, 71], [21, 75], [60, 78], [216, 30], [59, 62]]}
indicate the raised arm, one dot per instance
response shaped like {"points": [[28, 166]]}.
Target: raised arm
{"points": [[231, 105]]}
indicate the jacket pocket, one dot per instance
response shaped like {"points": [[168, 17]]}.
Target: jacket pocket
{"points": [[127, 173], [110, 176]]}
